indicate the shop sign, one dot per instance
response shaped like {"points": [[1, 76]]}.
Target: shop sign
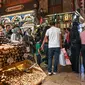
{"points": [[14, 8]]}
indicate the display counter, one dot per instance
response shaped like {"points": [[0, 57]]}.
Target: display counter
{"points": [[22, 73]]}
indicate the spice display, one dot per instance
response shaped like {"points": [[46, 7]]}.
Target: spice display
{"points": [[15, 76]]}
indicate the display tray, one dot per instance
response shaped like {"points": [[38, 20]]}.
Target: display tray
{"points": [[22, 73]]}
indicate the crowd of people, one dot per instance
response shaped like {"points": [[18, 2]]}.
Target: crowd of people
{"points": [[51, 40]]}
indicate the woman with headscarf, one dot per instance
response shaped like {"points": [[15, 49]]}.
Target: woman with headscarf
{"points": [[16, 36], [75, 47]]}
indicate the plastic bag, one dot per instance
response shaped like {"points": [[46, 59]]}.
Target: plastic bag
{"points": [[69, 52], [62, 59], [67, 60]]}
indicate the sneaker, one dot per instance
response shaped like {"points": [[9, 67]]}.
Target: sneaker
{"points": [[54, 73], [49, 73]]}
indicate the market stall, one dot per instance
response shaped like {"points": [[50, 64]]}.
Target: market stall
{"points": [[14, 68], [22, 73], [63, 20]]}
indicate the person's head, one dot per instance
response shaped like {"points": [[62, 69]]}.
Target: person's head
{"points": [[52, 23], [15, 29], [19, 30], [8, 27], [57, 25]]}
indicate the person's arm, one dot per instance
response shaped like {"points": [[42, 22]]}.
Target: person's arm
{"points": [[60, 41], [45, 39]]}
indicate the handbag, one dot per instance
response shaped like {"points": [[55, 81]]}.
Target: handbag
{"points": [[62, 59]]}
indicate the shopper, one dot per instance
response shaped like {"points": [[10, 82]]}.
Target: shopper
{"points": [[82, 36], [8, 31], [67, 39], [54, 43], [75, 47], [38, 45], [45, 45], [16, 36]]}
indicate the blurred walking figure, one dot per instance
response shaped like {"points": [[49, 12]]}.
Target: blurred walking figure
{"points": [[54, 40], [75, 47]]}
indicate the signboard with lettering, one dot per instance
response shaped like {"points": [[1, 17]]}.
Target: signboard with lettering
{"points": [[13, 6]]}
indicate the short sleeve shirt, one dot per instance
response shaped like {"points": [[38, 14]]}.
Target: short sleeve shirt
{"points": [[53, 34]]}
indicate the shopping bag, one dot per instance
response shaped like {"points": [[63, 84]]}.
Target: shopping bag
{"points": [[62, 59], [67, 60], [69, 52]]}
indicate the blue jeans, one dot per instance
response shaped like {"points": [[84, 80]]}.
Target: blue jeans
{"points": [[46, 53], [38, 59], [53, 52]]}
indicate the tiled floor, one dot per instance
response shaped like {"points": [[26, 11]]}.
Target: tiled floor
{"points": [[63, 78]]}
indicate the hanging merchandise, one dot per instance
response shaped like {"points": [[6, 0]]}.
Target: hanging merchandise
{"points": [[55, 18], [64, 25], [61, 25], [58, 18], [70, 16], [61, 18], [66, 17]]}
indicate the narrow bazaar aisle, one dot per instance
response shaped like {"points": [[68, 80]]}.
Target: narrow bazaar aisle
{"points": [[63, 79], [67, 77]]}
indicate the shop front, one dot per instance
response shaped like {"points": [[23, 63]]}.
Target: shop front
{"points": [[62, 20]]}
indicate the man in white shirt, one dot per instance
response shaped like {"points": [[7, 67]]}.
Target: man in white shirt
{"points": [[53, 35]]}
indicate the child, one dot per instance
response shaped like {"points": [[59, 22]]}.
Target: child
{"points": [[38, 45]]}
